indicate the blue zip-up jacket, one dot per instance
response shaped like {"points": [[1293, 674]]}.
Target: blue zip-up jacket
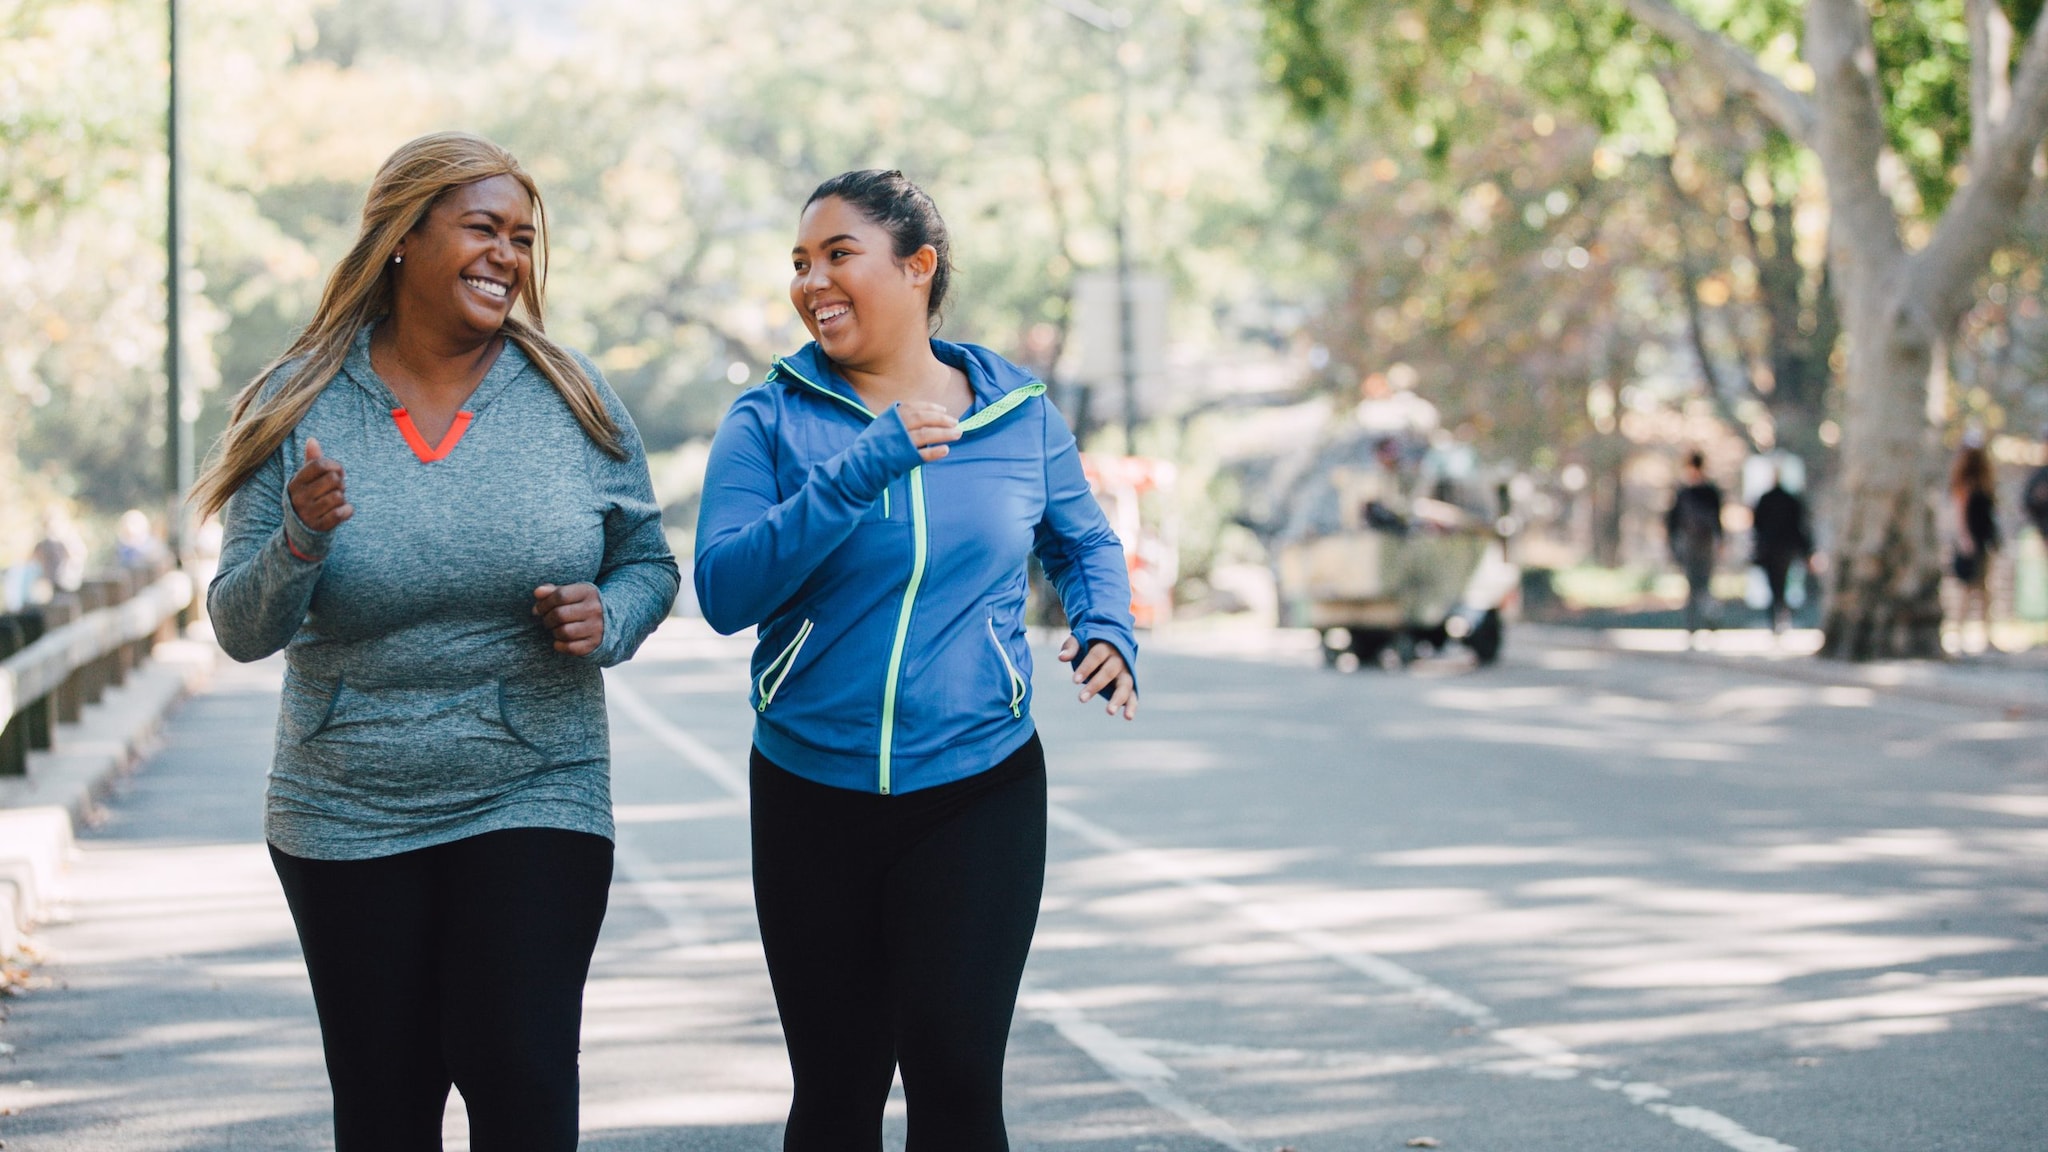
{"points": [[890, 592]]}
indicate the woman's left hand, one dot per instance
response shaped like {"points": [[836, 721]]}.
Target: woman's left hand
{"points": [[574, 613], [1103, 669]]}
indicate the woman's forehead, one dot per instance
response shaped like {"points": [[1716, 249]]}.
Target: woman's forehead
{"points": [[831, 216], [502, 195]]}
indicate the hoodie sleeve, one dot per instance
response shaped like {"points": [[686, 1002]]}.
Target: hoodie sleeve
{"points": [[755, 548], [1081, 554], [638, 579], [270, 563]]}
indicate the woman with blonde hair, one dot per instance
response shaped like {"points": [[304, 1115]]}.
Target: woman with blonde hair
{"points": [[444, 520], [1974, 490]]}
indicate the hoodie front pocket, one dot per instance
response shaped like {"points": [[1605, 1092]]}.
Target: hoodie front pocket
{"points": [[418, 732], [771, 678], [1013, 684]]}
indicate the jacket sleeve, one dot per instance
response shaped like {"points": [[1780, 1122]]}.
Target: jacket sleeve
{"points": [[270, 563], [756, 548], [1080, 553], [638, 578]]}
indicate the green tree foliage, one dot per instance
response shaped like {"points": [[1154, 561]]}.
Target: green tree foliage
{"points": [[1590, 57], [675, 143], [81, 266]]}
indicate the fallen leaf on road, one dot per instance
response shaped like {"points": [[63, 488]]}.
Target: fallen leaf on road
{"points": [[1425, 1142]]}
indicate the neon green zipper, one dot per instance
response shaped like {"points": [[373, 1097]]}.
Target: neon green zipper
{"points": [[890, 686]]}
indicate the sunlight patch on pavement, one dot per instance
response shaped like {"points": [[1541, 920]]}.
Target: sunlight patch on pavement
{"points": [[1547, 1056], [1507, 856], [1129, 1063], [2024, 805], [1843, 1021], [676, 813], [693, 1109]]}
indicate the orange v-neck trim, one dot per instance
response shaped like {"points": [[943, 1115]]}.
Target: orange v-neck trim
{"points": [[418, 443]]}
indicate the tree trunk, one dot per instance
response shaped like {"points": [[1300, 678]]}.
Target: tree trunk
{"points": [[1898, 307], [1885, 588]]}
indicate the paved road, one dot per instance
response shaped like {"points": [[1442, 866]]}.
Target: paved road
{"points": [[1582, 901]]}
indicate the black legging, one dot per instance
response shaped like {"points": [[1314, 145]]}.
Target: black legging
{"points": [[896, 929], [463, 963]]}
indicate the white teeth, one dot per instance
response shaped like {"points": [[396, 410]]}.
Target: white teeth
{"points": [[489, 286], [833, 313]]}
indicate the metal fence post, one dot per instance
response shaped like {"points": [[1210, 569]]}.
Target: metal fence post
{"points": [[131, 652], [14, 733], [93, 676], [68, 700], [40, 716]]}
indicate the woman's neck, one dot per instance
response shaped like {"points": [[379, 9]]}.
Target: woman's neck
{"points": [[433, 361], [910, 372]]}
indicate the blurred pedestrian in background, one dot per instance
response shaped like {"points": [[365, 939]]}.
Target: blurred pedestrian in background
{"points": [[445, 520], [2034, 497], [1693, 529], [60, 554], [2030, 560], [1973, 489], [1781, 539], [136, 544]]}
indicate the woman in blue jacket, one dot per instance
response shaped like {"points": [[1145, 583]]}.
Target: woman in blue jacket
{"points": [[871, 506]]}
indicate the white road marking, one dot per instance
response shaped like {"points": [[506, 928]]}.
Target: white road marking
{"points": [[1553, 1060], [1132, 1066], [1123, 1060], [1143, 1073], [700, 755], [1216, 892]]}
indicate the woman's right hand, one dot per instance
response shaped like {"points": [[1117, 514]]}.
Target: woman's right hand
{"points": [[319, 493], [931, 427]]}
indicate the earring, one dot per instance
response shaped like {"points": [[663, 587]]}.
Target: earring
{"points": [[399, 259]]}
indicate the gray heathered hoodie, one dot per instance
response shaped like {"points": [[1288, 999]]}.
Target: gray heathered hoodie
{"points": [[423, 702]]}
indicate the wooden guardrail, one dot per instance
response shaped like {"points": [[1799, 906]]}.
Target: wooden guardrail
{"points": [[68, 653]]}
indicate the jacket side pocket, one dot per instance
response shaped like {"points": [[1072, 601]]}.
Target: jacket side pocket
{"points": [[1014, 682], [770, 681]]}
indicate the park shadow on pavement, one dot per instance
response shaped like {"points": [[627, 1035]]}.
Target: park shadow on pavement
{"points": [[1817, 909], [172, 1011], [1758, 895]]}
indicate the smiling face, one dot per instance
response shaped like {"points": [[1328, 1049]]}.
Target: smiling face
{"points": [[861, 304], [470, 258]]}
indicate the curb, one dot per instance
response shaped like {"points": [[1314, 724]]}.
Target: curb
{"points": [[1913, 680], [64, 786]]}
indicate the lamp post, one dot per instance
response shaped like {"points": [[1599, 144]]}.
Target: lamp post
{"points": [[177, 431], [1115, 22]]}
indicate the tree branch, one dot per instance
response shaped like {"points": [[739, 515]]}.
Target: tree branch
{"points": [[1735, 65], [1990, 74], [1850, 139], [1695, 316], [1981, 218]]}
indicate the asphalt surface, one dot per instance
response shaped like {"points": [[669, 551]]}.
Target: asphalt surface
{"points": [[1584, 900]]}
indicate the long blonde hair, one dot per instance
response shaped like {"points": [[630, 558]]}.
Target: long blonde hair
{"points": [[359, 291]]}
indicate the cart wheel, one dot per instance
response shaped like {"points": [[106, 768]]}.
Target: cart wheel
{"points": [[1367, 644], [1485, 640], [1403, 650]]}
